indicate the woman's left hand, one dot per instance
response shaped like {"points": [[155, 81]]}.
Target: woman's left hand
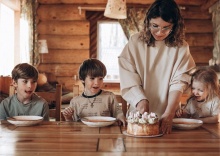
{"points": [[166, 124], [166, 119]]}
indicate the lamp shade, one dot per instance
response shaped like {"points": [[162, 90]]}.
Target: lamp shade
{"points": [[116, 9], [42, 46]]}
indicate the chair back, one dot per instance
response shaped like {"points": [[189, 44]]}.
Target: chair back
{"points": [[49, 97], [75, 90], [124, 104], [57, 98], [75, 93], [12, 90], [5, 81]]}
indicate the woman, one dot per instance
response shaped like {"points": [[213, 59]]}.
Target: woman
{"points": [[154, 65]]}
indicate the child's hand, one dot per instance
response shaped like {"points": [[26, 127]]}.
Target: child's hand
{"points": [[121, 119], [68, 113], [179, 113]]}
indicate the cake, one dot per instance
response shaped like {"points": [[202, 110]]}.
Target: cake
{"points": [[146, 124]]}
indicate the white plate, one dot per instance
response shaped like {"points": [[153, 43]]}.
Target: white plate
{"points": [[142, 136], [183, 123], [25, 120], [98, 121]]}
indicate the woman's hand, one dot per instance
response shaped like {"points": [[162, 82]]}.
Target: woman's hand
{"points": [[166, 119], [143, 106], [166, 123], [68, 113]]}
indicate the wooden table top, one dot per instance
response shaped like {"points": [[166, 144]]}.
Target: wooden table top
{"points": [[75, 138]]}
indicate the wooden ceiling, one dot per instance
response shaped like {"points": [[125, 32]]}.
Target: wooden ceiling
{"points": [[203, 4]]}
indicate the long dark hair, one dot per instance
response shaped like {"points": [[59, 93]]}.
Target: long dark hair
{"points": [[169, 11]]}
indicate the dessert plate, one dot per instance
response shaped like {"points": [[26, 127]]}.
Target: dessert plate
{"points": [[185, 124], [142, 136], [98, 121], [25, 120]]}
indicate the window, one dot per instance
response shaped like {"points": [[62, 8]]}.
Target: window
{"points": [[12, 51], [6, 39], [111, 41]]}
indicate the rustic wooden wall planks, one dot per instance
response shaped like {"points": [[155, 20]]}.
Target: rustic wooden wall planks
{"points": [[68, 33]]}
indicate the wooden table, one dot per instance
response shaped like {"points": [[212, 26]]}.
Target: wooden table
{"points": [[69, 138]]}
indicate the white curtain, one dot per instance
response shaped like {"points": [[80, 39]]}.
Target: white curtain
{"points": [[28, 14], [215, 10]]}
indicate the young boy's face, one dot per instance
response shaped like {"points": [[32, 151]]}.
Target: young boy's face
{"points": [[93, 85], [25, 88], [199, 90]]}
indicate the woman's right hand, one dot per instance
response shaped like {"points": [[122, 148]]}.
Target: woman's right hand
{"points": [[68, 113], [143, 106]]}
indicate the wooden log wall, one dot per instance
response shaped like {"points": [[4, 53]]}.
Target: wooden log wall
{"points": [[69, 38], [67, 35]]}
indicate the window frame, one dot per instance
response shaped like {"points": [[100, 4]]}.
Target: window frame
{"points": [[108, 78]]}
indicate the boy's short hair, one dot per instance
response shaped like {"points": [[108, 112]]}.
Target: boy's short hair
{"points": [[93, 68], [24, 71]]}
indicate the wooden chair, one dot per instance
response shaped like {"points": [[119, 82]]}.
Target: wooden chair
{"points": [[5, 81], [75, 90], [49, 97], [54, 96], [124, 104], [11, 90]]}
